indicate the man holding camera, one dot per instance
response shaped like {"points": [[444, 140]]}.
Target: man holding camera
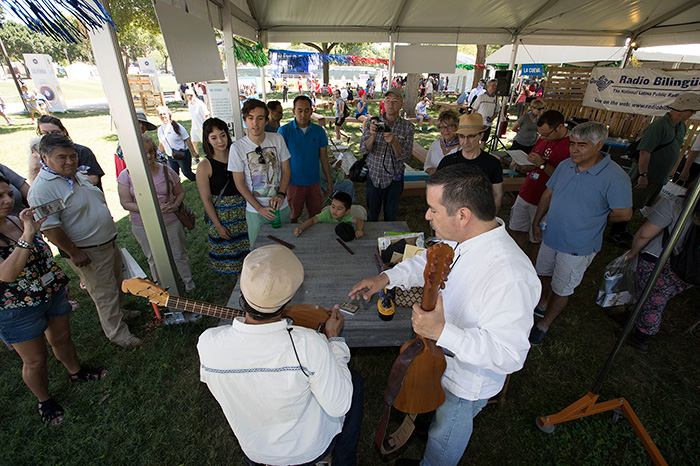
{"points": [[388, 143]]}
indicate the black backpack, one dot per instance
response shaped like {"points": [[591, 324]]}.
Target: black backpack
{"points": [[686, 263]]}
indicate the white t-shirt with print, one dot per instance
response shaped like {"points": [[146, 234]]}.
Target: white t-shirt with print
{"points": [[262, 179]]}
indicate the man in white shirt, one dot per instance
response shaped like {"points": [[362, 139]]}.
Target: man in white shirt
{"points": [[422, 113], [486, 105], [285, 390], [198, 113], [484, 314], [260, 166]]}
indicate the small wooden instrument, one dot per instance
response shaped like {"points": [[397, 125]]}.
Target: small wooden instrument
{"points": [[309, 316], [414, 384]]}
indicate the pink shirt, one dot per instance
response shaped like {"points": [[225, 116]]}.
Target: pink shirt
{"points": [[161, 191]]}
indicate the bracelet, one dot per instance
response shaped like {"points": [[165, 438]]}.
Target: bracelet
{"points": [[24, 245]]}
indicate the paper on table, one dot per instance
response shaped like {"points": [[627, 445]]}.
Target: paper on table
{"points": [[519, 157], [411, 251]]}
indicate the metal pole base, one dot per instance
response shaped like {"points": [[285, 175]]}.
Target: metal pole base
{"points": [[587, 406]]}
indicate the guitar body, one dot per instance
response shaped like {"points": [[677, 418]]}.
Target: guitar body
{"points": [[307, 315], [422, 390]]}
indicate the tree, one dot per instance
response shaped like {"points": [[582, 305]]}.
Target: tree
{"points": [[324, 47], [138, 30], [19, 39]]}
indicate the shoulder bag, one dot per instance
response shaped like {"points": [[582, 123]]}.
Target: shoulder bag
{"points": [[183, 213], [177, 154]]}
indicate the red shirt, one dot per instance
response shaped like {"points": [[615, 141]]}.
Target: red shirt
{"points": [[553, 152]]}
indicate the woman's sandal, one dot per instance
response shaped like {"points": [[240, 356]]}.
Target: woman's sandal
{"points": [[86, 375], [51, 412]]}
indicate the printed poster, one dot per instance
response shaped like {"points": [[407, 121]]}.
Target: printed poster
{"points": [[639, 91], [45, 80]]}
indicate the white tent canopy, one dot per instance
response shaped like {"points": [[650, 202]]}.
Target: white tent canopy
{"points": [[537, 22], [554, 54]]}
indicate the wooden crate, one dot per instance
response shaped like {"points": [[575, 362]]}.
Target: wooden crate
{"points": [[145, 96]]}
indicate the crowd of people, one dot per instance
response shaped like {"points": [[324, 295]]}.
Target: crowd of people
{"points": [[307, 403]]}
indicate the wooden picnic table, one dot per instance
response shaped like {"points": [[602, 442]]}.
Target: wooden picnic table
{"points": [[331, 272]]}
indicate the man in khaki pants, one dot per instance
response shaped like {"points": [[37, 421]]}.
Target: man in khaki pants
{"points": [[84, 232]]}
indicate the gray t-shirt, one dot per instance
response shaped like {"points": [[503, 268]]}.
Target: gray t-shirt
{"points": [[16, 182], [664, 215], [527, 134]]}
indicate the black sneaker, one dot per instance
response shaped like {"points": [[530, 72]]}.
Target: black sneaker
{"points": [[537, 336], [639, 341]]}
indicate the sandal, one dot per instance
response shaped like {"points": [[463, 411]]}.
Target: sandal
{"points": [[86, 375], [51, 412]]}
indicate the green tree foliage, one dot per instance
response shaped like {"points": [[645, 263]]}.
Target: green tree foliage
{"points": [[138, 30], [19, 39]]}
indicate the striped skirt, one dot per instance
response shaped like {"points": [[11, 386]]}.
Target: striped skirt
{"points": [[227, 255]]}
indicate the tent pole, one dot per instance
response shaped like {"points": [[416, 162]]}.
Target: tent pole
{"points": [[391, 60], [628, 52], [264, 89], [105, 47], [232, 71]]}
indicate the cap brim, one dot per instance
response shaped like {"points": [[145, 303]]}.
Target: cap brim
{"points": [[470, 131]]}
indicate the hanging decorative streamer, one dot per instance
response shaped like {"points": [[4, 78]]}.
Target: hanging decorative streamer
{"points": [[53, 17], [245, 54], [302, 58], [482, 67]]}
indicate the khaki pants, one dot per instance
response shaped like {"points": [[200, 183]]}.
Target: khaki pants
{"points": [[178, 246], [103, 280]]}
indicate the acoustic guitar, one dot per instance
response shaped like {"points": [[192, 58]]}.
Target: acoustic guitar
{"points": [[309, 316], [417, 372]]}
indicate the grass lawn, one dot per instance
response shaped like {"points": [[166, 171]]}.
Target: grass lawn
{"points": [[152, 409]]}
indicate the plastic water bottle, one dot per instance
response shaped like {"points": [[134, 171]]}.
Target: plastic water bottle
{"points": [[543, 225], [277, 222]]}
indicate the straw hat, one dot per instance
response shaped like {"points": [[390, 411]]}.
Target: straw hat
{"points": [[471, 124], [269, 278]]}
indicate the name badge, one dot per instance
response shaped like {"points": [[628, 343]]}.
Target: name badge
{"points": [[534, 175], [47, 278]]}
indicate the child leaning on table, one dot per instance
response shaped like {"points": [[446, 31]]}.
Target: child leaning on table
{"points": [[340, 206]]}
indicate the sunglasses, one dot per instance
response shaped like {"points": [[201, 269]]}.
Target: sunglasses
{"points": [[261, 158]]}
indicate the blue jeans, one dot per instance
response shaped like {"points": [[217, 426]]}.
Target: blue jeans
{"points": [[186, 166], [450, 430], [383, 197], [343, 445]]}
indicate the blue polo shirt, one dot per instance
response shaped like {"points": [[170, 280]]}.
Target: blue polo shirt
{"points": [[304, 147], [581, 202]]}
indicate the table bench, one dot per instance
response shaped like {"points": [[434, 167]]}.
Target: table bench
{"points": [[331, 272]]}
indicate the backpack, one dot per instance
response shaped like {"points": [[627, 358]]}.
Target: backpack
{"points": [[346, 109], [686, 264]]}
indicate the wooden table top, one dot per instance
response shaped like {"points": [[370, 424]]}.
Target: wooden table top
{"points": [[331, 272]]}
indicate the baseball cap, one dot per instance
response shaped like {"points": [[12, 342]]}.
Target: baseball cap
{"points": [[269, 278], [396, 91]]}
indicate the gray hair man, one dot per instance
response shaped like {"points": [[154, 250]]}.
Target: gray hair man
{"points": [[583, 194], [84, 233]]}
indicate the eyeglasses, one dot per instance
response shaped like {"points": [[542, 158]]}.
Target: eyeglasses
{"points": [[392, 101], [538, 108], [471, 136], [261, 157], [546, 135], [53, 131], [444, 127]]}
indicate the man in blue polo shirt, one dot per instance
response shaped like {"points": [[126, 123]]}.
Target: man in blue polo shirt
{"points": [[583, 194], [308, 144]]}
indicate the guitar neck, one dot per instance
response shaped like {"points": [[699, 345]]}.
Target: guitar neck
{"points": [[201, 307]]}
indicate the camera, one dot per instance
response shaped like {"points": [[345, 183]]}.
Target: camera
{"points": [[382, 127]]}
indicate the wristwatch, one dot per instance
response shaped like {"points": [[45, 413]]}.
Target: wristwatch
{"points": [[282, 193], [643, 174], [543, 165]]}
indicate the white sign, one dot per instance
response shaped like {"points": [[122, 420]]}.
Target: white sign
{"points": [[248, 86], [45, 80], [639, 91], [148, 66], [220, 102]]}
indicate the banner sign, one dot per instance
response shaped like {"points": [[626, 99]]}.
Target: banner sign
{"points": [[148, 66], [531, 70], [45, 80], [637, 90], [220, 102]]}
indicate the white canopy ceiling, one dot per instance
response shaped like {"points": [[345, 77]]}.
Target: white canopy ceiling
{"points": [[543, 22], [555, 54]]}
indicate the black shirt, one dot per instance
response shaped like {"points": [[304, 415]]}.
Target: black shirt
{"points": [[488, 164]]}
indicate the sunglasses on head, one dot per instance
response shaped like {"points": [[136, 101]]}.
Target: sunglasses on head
{"points": [[261, 158]]}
